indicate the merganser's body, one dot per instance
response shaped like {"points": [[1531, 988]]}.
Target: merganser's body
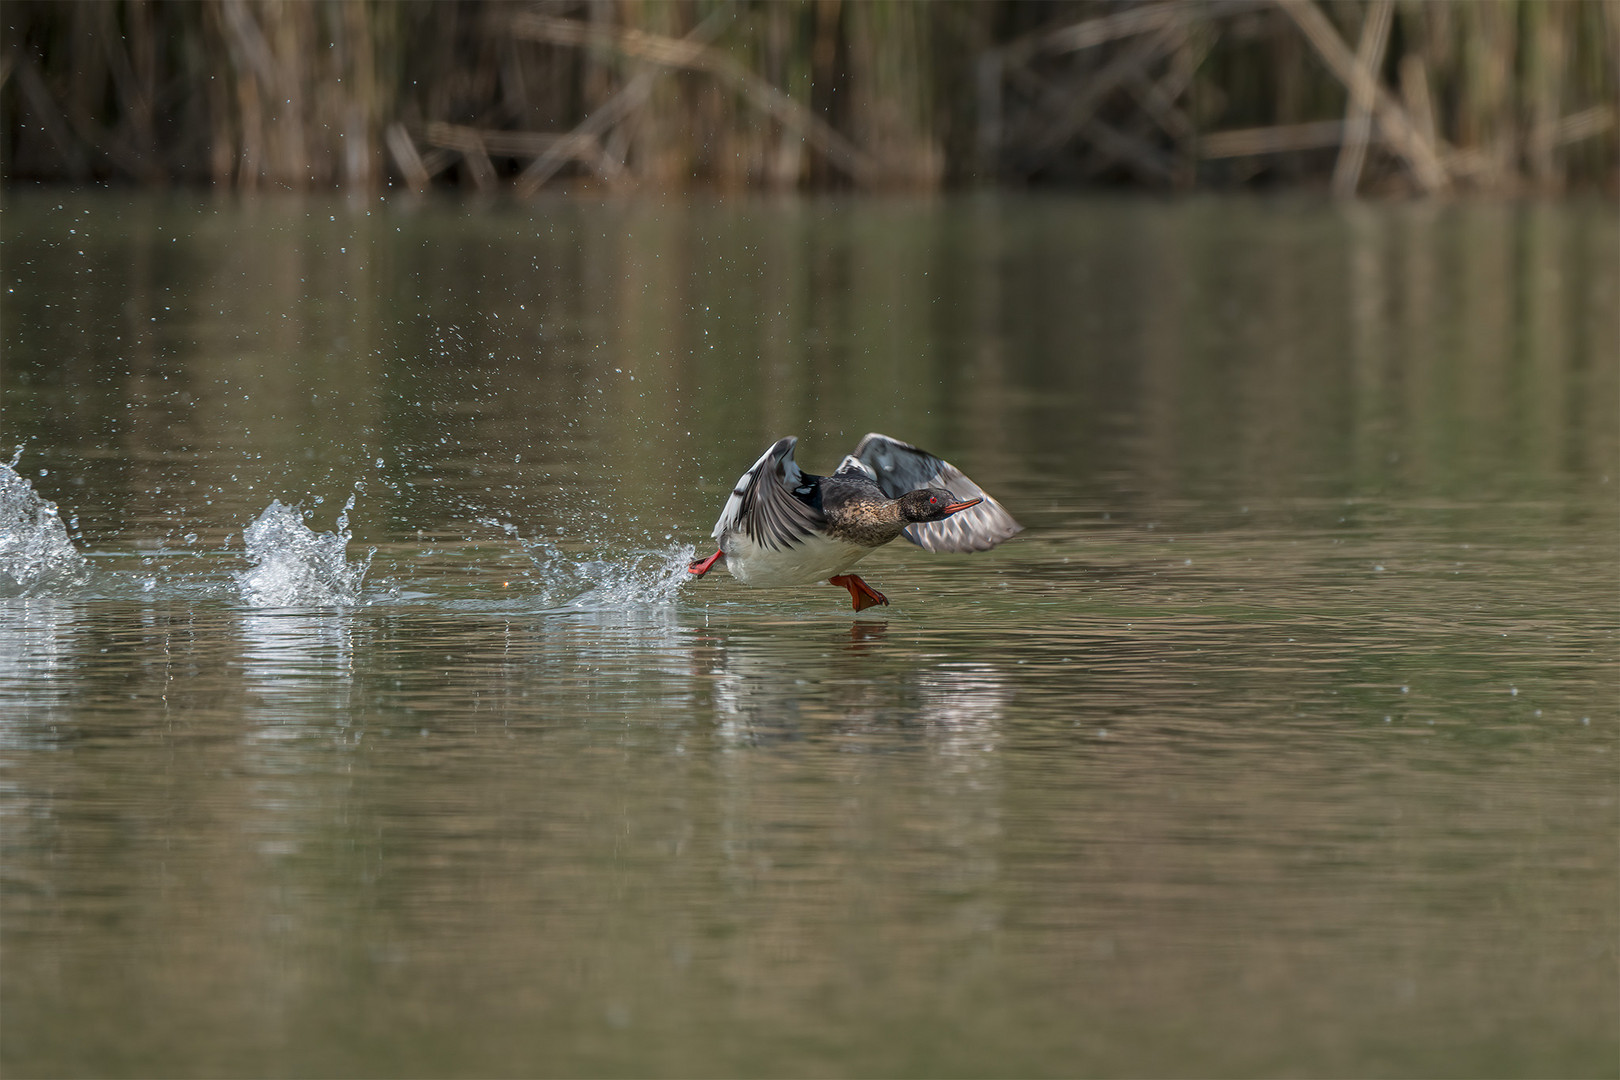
{"points": [[783, 526]]}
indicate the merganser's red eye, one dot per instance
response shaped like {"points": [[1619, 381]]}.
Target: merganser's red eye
{"points": [[932, 501]]}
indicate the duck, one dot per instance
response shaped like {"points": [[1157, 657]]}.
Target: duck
{"points": [[782, 526]]}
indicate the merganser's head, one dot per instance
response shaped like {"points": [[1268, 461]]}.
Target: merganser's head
{"points": [[932, 504]]}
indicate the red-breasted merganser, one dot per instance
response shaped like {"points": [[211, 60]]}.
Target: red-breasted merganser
{"points": [[783, 526]]}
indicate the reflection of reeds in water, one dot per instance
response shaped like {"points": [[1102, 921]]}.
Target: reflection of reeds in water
{"points": [[1497, 95]]}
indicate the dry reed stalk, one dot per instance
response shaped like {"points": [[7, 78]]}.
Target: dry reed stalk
{"points": [[584, 142], [891, 93], [46, 113], [1278, 139], [292, 46], [1358, 117], [404, 152], [1297, 78], [1586, 124], [419, 168], [787, 66], [362, 113], [1403, 137], [1092, 32], [598, 76], [223, 135], [1143, 158], [1158, 98], [988, 78], [461, 138], [1133, 145], [662, 128], [1078, 111], [692, 56], [306, 99], [69, 115], [1176, 85], [250, 56], [132, 69], [1062, 111], [476, 158], [1415, 92]]}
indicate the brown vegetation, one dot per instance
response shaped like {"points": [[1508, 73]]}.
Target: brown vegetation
{"points": [[1361, 95]]}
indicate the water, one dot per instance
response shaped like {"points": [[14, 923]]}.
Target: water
{"points": [[357, 716]]}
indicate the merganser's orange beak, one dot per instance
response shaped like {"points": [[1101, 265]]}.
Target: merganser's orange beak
{"points": [[956, 507]]}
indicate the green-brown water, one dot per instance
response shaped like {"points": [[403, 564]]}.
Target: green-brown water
{"points": [[1282, 742]]}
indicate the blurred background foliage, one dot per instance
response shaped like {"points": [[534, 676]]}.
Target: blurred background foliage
{"points": [[1361, 96]]}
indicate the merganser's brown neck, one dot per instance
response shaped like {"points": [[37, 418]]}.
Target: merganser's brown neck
{"points": [[860, 517], [858, 512]]}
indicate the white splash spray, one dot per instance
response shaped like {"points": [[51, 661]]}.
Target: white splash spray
{"points": [[36, 555], [294, 566], [637, 578]]}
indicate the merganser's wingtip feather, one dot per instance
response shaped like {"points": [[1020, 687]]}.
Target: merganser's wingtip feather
{"points": [[764, 505], [900, 467]]}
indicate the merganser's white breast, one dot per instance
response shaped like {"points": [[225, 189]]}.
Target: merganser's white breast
{"points": [[815, 558]]}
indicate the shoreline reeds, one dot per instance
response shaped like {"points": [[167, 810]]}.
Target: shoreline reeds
{"points": [[1351, 96]]}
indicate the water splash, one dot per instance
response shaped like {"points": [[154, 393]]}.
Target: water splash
{"points": [[640, 579], [294, 566], [593, 581], [35, 553]]}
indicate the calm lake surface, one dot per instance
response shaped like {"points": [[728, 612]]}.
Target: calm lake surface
{"points": [[356, 717]]}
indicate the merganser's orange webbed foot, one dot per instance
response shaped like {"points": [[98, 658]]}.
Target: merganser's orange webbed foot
{"points": [[702, 566], [861, 595]]}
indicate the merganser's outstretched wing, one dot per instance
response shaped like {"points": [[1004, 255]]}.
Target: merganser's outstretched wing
{"points": [[774, 503], [900, 467]]}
